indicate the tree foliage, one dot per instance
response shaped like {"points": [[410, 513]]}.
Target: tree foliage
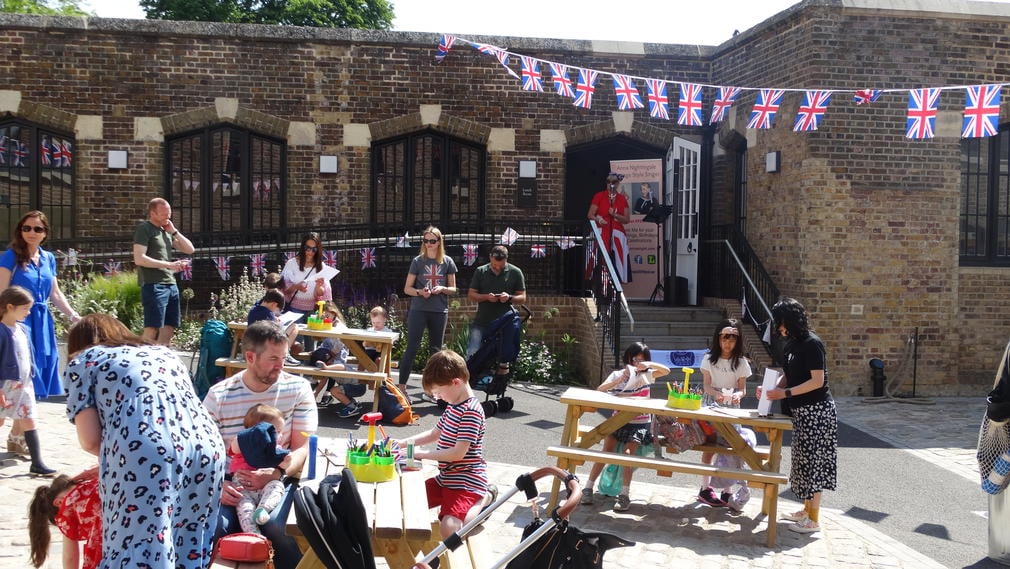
{"points": [[44, 7], [360, 14]]}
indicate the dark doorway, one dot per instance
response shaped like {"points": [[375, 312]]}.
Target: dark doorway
{"points": [[586, 168]]}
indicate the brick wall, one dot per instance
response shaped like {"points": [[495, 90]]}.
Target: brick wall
{"points": [[860, 224]]}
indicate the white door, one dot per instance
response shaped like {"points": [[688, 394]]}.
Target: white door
{"points": [[683, 170]]}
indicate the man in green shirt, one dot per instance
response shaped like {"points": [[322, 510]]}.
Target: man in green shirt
{"points": [[494, 287], [153, 242]]}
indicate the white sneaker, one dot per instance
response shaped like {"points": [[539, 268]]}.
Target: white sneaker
{"points": [[261, 516], [805, 525], [623, 503], [795, 516]]}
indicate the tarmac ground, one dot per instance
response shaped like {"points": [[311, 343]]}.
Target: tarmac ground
{"points": [[670, 528]]}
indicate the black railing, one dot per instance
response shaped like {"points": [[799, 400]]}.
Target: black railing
{"points": [[729, 265], [558, 271], [609, 297]]}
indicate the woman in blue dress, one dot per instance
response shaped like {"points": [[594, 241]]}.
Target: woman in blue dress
{"points": [[161, 456], [28, 265]]}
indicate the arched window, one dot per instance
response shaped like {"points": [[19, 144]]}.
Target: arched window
{"points": [[985, 200], [226, 179], [36, 172], [427, 178]]}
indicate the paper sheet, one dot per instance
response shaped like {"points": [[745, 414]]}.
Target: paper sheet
{"points": [[770, 381], [288, 318]]}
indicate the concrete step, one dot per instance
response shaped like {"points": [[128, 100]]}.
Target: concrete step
{"points": [[668, 342]]}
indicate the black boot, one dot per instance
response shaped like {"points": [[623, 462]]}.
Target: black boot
{"points": [[37, 468]]}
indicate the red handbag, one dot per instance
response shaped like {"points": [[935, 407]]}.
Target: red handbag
{"points": [[246, 547]]}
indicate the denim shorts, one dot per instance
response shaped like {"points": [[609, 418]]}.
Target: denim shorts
{"points": [[161, 305]]}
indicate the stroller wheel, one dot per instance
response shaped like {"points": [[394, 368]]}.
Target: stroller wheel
{"points": [[505, 404], [490, 408]]}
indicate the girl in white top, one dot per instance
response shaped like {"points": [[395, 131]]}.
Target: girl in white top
{"points": [[724, 371]]}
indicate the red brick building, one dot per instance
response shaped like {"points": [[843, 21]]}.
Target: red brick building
{"points": [[877, 234]]}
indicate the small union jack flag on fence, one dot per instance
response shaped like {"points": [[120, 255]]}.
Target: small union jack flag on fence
{"points": [[509, 236], [469, 253], [258, 264], [186, 273], [538, 251], [403, 241], [565, 243], [330, 258], [223, 266], [866, 96], [111, 267], [367, 258]]}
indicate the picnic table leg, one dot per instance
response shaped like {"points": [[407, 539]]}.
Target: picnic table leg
{"points": [[770, 508], [397, 552]]}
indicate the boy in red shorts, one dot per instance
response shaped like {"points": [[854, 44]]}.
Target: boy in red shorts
{"points": [[460, 489]]}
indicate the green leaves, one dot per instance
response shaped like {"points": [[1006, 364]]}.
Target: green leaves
{"points": [[359, 14]]}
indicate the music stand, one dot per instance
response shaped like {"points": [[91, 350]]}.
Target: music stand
{"points": [[658, 215]]}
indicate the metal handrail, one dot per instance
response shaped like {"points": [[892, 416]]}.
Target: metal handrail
{"points": [[610, 293], [743, 272]]}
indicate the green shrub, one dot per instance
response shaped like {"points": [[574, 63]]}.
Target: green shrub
{"points": [[116, 295], [234, 303]]}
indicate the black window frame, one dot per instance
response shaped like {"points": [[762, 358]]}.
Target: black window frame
{"points": [[403, 182], [217, 172], [61, 214]]}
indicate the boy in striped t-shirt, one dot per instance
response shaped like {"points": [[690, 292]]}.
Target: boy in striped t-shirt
{"points": [[460, 488]]}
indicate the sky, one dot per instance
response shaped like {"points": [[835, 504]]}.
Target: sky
{"points": [[710, 22]]}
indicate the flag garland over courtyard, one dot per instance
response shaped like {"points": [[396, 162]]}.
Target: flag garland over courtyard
{"points": [[981, 109]]}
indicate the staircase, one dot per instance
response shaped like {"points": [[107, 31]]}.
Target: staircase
{"points": [[671, 327]]}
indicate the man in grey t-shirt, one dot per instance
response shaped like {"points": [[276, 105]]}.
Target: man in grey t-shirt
{"points": [[153, 242]]}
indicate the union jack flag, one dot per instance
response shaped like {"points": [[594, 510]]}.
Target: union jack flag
{"points": [[67, 153], [258, 263], [585, 89], [223, 266], [20, 153], [70, 258], [815, 104], [763, 114], [111, 267], [3, 148], [367, 258], [866, 96], [689, 111], [330, 258], [562, 84], [627, 93], [981, 111], [444, 45], [57, 150], [659, 105], [509, 237], [565, 243], [288, 255], [45, 152], [531, 74], [186, 273], [538, 251], [921, 112], [432, 276], [403, 241], [469, 253], [725, 99], [498, 53]]}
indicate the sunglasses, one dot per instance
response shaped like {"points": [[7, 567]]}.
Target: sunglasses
{"points": [[727, 336], [430, 241], [35, 228], [307, 248]]}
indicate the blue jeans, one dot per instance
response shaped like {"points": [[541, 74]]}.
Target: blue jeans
{"points": [[286, 552]]}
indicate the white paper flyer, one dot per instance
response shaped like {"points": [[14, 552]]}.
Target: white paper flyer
{"points": [[771, 381]]}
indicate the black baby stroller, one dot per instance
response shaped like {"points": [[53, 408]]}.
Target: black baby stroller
{"points": [[490, 366], [546, 544]]}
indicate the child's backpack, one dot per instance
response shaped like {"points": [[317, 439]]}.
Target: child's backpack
{"points": [[393, 405], [215, 342]]}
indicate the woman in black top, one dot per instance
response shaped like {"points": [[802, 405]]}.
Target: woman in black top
{"points": [[804, 386]]}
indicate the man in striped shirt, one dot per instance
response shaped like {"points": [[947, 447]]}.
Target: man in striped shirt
{"points": [[460, 488], [265, 345]]}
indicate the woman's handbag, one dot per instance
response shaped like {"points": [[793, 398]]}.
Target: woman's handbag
{"points": [[246, 547], [993, 452]]}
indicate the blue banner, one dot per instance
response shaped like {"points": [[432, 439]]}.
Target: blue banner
{"points": [[678, 358]]}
